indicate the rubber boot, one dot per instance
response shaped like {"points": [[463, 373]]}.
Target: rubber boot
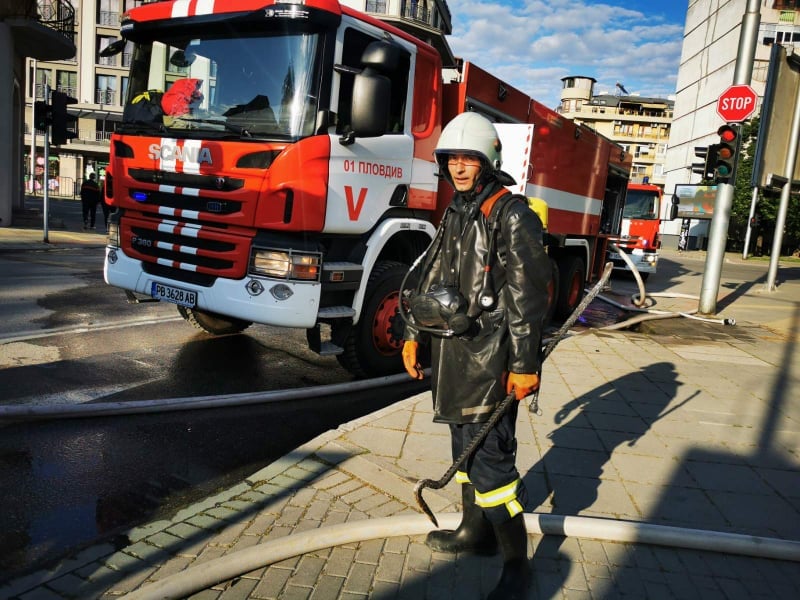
{"points": [[513, 540], [474, 534]]}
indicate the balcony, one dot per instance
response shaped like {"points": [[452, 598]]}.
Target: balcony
{"points": [[428, 20], [42, 29]]}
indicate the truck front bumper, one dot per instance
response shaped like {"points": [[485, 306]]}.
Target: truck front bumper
{"points": [[645, 262], [257, 299]]}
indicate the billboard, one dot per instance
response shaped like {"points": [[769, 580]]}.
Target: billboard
{"points": [[695, 201], [780, 96]]}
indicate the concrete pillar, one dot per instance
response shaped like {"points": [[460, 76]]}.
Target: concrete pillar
{"points": [[7, 120]]}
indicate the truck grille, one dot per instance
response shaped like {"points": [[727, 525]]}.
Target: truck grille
{"points": [[189, 251]]}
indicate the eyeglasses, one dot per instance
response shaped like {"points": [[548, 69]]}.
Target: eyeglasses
{"points": [[465, 159]]}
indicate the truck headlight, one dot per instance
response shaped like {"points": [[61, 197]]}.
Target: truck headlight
{"points": [[112, 234], [285, 264]]}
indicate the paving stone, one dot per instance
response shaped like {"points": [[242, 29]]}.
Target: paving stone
{"points": [[359, 580], [327, 588]]}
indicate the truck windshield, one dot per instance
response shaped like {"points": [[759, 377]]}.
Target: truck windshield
{"points": [[640, 204], [248, 85]]}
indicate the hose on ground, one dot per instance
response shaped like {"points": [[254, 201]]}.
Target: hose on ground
{"points": [[209, 573], [104, 409], [640, 299]]}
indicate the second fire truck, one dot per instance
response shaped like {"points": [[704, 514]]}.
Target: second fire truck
{"points": [[639, 236]]}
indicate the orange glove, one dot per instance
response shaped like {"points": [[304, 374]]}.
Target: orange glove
{"points": [[410, 361], [523, 384]]}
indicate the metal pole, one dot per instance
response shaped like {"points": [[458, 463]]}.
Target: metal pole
{"points": [[718, 234], [748, 231], [31, 176], [45, 177], [783, 208]]}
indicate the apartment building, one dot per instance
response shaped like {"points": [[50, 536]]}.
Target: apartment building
{"points": [[99, 85], [28, 28], [639, 124]]}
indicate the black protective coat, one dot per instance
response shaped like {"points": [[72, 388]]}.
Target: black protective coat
{"points": [[467, 378]]}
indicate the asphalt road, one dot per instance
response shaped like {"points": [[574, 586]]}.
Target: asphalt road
{"points": [[68, 338]]}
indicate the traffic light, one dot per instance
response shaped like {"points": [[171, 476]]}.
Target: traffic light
{"points": [[42, 115], [64, 124], [727, 150], [701, 168], [708, 158]]}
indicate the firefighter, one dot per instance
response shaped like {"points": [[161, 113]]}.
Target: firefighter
{"points": [[480, 301]]}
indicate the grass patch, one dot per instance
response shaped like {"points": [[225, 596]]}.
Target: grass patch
{"points": [[788, 260]]}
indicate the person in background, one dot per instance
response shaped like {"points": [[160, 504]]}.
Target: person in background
{"points": [[104, 205], [487, 256], [90, 196]]}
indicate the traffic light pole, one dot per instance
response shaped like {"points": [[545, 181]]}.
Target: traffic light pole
{"points": [[748, 232], [45, 176], [718, 234]]}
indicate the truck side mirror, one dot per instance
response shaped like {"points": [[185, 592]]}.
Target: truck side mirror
{"points": [[372, 89], [113, 48], [673, 209], [371, 99]]}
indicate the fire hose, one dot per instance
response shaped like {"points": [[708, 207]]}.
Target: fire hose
{"points": [[503, 406]]}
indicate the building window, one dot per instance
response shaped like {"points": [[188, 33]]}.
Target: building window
{"points": [[124, 93], [106, 89], [127, 54], [108, 13], [67, 82], [38, 90], [376, 6], [102, 42]]}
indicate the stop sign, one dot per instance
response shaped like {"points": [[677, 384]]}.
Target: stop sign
{"points": [[737, 103]]}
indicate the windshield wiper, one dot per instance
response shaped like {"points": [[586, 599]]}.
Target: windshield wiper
{"points": [[150, 125], [242, 131]]}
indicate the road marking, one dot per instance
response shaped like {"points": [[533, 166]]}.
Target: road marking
{"points": [[22, 336]]}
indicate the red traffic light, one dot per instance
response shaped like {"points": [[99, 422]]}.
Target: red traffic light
{"points": [[725, 163], [727, 134]]}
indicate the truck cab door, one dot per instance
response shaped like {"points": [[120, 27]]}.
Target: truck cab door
{"points": [[372, 150]]}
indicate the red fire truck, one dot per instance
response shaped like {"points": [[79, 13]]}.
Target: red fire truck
{"points": [[275, 165], [640, 238]]}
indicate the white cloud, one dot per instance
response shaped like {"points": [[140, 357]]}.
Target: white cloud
{"points": [[533, 44]]}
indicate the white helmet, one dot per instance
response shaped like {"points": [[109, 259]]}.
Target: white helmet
{"points": [[473, 134]]}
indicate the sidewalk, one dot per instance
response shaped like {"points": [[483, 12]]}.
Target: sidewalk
{"points": [[683, 423]]}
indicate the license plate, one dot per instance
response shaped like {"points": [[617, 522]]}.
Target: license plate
{"points": [[173, 294]]}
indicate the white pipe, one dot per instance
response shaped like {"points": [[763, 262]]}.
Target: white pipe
{"points": [[636, 275], [98, 409], [640, 298], [209, 573]]}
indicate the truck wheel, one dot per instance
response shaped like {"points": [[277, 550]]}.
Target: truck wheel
{"points": [[212, 322], [572, 279], [372, 348]]}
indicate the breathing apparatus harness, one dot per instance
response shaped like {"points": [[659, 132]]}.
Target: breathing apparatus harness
{"points": [[443, 310]]}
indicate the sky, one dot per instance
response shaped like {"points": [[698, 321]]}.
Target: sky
{"points": [[532, 44]]}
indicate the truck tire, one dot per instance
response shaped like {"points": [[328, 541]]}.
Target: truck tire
{"points": [[372, 347], [572, 280], [212, 322]]}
